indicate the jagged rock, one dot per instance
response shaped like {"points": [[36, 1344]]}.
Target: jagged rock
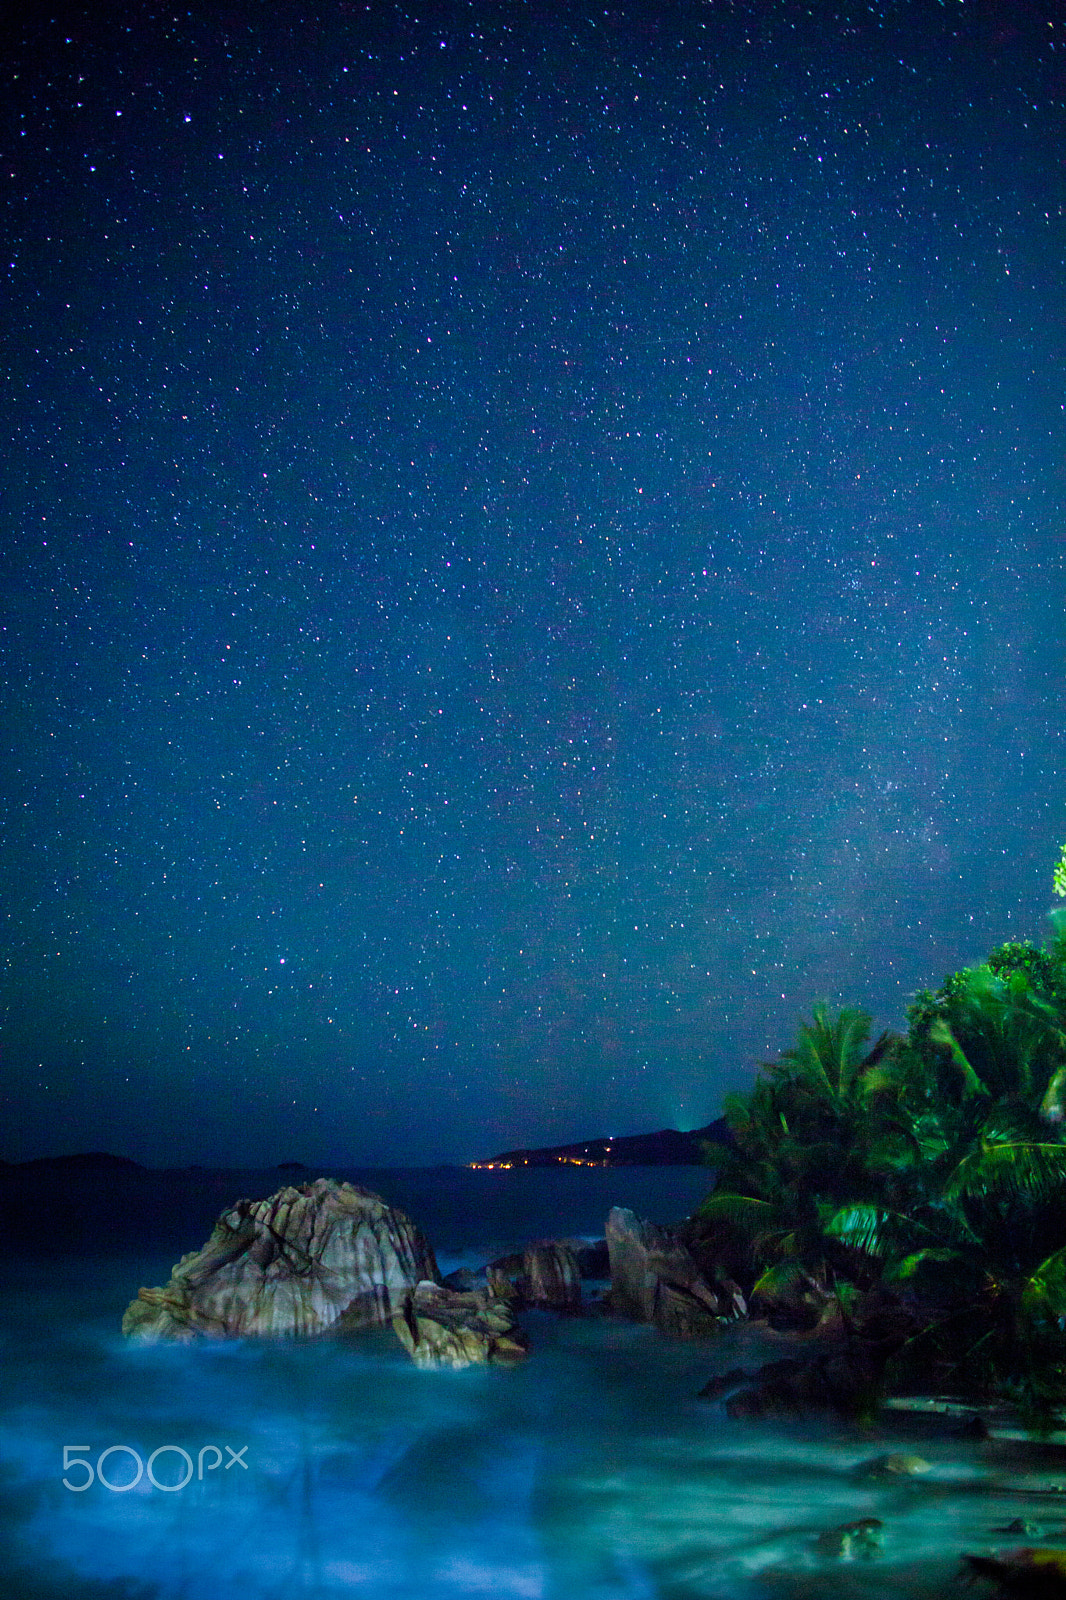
{"points": [[545, 1274], [325, 1255], [442, 1328], [654, 1278], [684, 1313], [504, 1276], [550, 1276]]}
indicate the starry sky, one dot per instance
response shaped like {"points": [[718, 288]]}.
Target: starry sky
{"points": [[532, 552]]}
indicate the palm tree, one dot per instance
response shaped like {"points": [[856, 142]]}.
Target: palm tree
{"points": [[802, 1139]]}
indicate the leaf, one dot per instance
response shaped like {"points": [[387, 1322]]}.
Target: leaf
{"points": [[862, 1226], [900, 1271], [1030, 1172], [1045, 1291], [940, 1033], [742, 1210]]}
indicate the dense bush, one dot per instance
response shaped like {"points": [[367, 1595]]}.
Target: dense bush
{"points": [[929, 1167]]}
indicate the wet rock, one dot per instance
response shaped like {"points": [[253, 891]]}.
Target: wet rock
{"points": [[840, 1380], [443, 1328], [504, 1276], [685, 1313], [550, 1276], [895, 1466], [545, 1274], [728, 1383], [1034, 1574], [852, 1541], [302, 1262], [655, 1278]]}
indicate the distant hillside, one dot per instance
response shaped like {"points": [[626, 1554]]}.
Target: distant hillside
{"points": [[86, 1161], [668, 1148]]}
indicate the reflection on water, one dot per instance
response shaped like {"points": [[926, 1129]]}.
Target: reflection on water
{"points": [[340, 1468]]}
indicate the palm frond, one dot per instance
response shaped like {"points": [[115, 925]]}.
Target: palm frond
{"points": [[874, 1229], [1025, 1171], [742, 1211], [1045, 1291], [909, 1266], [940, 1033]]}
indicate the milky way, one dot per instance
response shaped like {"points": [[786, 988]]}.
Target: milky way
{"points": [[532, 554]]}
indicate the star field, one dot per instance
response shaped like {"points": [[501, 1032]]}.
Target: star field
{"points": [[532, 553]]}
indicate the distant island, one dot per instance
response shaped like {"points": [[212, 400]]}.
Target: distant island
{"points": [[668, 1148], [82, 1161]]}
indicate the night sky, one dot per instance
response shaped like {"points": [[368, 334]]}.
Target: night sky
{"points": [[532, 552]]}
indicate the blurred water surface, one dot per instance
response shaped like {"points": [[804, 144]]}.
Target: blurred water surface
{"points": [[339, 1469]]}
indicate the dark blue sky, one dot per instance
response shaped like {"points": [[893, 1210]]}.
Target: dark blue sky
{"points": [[532, 552]]}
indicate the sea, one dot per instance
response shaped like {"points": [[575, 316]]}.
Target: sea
{"points": [[266, 1470]]}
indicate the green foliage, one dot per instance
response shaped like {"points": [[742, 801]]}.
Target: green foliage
{"points": [[1058, 877], [933, 1164]]}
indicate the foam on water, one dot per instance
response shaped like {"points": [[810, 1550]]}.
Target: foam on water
{"points": [[593, 1470]]}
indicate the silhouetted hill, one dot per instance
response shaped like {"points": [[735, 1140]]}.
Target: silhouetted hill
{"points": [[668, 1148], [86, 1161]]}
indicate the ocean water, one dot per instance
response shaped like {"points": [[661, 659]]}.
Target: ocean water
{"points": [[340, 1469]]}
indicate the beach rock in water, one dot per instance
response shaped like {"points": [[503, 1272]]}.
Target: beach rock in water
{"points": [[325, 1255], [654, 1278], [844, 1381], [852, 1540], [1038, 1574], [441, 1328], [545, 1274], [550, 1276]]}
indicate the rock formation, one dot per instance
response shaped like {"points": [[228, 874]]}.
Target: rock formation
{"points": [[444, 1328], [655, 1278], [325, 1255], [545, 1274]]}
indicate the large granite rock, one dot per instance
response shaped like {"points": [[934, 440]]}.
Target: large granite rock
{"points": [[325, 1255], [655, 1278], [446, 1328]]}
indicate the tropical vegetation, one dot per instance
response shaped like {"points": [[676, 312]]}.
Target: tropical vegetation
{"points": [[923, 1172]]}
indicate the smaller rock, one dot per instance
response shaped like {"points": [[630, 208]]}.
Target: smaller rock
{"points": [[504, 1276], [440, 1327], [898, 1465], [550, 1276], [852, 1541], [655, 1278], [1038, 1574], [686, 1313], [728, 1383]]}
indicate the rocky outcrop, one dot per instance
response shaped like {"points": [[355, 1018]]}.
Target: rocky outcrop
{"points": [[843, 1380], [655, 1278], [444, 1328], [550, 1276], [545, 1274], [323, 1256]]}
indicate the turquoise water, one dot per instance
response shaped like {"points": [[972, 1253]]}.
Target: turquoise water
{"points": [[340, 1469]]}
